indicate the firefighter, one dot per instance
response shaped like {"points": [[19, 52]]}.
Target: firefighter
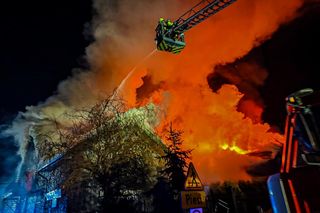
{"points": [[180, 37], [161, 21], [169, 32], [169, 23], [163, 25]]}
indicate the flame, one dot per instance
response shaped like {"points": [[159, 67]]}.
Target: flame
{"points": [[234, 148], [184, 95], [211, 121], [212, 118]]}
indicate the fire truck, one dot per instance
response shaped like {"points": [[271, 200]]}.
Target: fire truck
{"points": [[297, 187]]}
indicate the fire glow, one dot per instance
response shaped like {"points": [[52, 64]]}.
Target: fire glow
{"points": [[178, 84], [234, 148], [179, 87]]}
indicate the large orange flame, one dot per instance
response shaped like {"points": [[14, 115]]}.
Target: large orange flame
{"points": [[220, 135]]}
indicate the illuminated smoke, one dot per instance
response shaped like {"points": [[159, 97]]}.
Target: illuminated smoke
{"points": [[210, 120], [249, 76], [124, 33]]}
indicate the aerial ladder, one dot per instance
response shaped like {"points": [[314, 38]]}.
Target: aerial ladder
{"points": [[296, 188], [170, 35]]}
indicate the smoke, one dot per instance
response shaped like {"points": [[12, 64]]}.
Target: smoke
{"points": [[213, 120], [124, 35], [249, 76]]}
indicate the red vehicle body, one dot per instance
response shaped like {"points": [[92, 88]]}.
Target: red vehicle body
{"points": [[297, 187]]}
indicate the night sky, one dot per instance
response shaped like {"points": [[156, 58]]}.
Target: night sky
{"points": [[42, 42], [292, 59]]}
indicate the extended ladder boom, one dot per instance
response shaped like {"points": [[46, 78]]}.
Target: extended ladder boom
{"points": [[170, 36], [199, 13]]}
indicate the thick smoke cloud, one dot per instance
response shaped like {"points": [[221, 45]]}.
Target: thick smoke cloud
{"points": [[124, 34], [249, 76]]}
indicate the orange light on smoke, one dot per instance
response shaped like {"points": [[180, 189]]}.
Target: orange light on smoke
{"points": [[219, 133]]}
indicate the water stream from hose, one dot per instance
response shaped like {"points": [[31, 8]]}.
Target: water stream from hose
{"points": [[123, 82]]}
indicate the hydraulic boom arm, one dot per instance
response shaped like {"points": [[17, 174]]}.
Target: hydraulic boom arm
{"points": [[199, 13], [170, 37]]}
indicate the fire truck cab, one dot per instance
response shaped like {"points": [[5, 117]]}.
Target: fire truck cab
{"points": [[297, 187]]}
